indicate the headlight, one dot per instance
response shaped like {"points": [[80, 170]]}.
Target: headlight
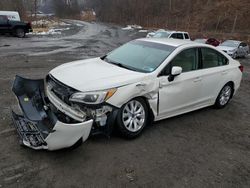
{"points": [[231, 51], [95, 97]]}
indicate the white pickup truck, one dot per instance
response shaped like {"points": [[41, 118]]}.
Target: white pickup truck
{"points": [[161, 33]]}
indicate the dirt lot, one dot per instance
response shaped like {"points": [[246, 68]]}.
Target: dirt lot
{"points": [[205, 148]]}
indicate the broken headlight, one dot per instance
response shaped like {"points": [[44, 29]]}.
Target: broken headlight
{"points": [[96, 97]]}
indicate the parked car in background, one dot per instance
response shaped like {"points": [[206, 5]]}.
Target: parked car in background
{"points": [[234, 48], [171, 34], [151, 34], [211, 41], [142, 81], [16, 28], [202, 41]]}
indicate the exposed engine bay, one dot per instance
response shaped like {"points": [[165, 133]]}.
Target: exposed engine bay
{"points": [[48, 114]]}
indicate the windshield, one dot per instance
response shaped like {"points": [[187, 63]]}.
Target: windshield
{"points": [[230, 43], [141, 56], [161, 35]]}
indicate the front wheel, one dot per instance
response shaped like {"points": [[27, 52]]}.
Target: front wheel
{"points": [[20, 33], [132, 118], [234, 56], [224, 96]]}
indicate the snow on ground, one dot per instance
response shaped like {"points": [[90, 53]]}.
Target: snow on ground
{"points": [[132, 27], [49, 22], [52, 31], [143, 31]]}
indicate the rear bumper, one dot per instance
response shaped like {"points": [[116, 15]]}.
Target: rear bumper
{"points": [[39, 127]]}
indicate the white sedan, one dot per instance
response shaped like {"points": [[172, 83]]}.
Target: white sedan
{"points": [[142, 81], [234, 48]]}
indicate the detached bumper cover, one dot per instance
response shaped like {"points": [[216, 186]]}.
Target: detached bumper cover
{"points": [[39, 127]]}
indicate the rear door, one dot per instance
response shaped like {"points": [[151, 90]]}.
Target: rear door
{"points": [[215, 73]]}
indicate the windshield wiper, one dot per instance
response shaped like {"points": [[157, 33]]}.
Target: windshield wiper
{"points": [[118, 64], [103, 57]]}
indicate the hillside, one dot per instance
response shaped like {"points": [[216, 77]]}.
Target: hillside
{"points": [[217, 16]]}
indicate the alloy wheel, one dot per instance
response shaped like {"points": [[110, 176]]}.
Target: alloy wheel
{"points": [[225, 95], [133, 116]]}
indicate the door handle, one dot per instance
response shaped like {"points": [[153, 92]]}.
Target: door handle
{"points": [[198, 79]]}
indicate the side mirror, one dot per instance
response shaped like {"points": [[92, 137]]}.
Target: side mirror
{"points": [[176, 71]]}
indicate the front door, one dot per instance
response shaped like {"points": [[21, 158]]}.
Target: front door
{"points": [[184, 93]]}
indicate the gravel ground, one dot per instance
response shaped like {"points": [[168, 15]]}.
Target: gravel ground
{"points": [[205, 148]]}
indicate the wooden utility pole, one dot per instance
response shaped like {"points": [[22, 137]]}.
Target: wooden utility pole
{"points": [[235, 21], [218, 22]]}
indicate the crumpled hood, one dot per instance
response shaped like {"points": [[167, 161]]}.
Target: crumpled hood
{"points": [[226, 48], [94, 74]]}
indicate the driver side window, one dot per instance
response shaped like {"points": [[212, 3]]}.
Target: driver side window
{"points": [[187, 60]]}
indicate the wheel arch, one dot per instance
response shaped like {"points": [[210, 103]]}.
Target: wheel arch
{"points": [[233, 87], [151, 115]]}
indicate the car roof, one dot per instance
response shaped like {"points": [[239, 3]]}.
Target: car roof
{"points": [[169, 31], [170, 42], [233, 41]]}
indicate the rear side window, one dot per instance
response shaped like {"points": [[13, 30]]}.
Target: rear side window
{"points": [[243, 44], [174, 35], [212, 58], [179, 36], [187, 60], [186, 36]]}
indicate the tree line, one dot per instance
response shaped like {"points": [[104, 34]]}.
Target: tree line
{"points": [[208, 15]]}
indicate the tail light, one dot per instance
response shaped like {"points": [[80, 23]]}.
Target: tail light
{"points": [[30, 24], [241, 68]]}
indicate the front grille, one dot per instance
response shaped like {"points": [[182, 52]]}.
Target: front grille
{"points": [[62, 91], [28, 131]]}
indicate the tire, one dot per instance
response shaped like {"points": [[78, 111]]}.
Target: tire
{"points": [[132, 118], [224, 96], [234, 56], [20, 33]]}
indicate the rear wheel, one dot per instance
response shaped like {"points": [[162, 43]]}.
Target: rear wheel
{"points": [[20, 33], [224, 96], [132, 118]]}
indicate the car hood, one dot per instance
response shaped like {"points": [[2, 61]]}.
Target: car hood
{"points": [[95, 74], [226, 48]]}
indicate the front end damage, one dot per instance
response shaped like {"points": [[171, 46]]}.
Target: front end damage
{"points": [[50, 121]]}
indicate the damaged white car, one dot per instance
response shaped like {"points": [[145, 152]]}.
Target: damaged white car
{"points": [[142, 81]]}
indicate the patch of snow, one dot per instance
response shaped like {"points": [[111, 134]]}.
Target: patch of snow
{"points": [[79, 25], [143, 31], [49, 22], [50, 32], [61, 29], [64, 24], [128, 28], [136, 26], [132, 27]]}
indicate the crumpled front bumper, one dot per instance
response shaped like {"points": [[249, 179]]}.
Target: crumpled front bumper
{"points": [[39, 127]]}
